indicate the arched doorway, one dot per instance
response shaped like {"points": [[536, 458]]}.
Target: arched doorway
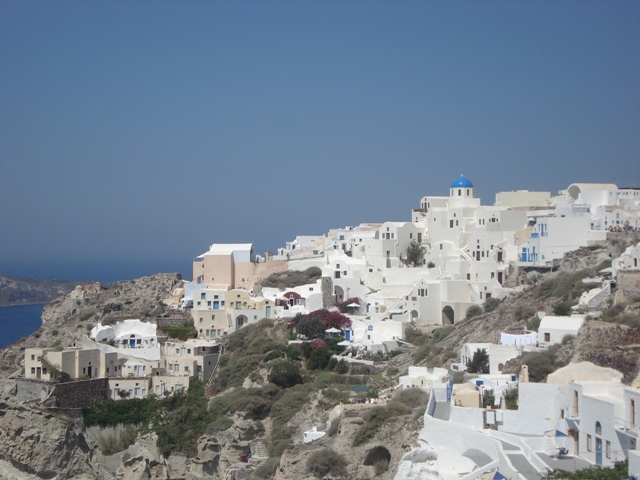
{"points": [[447, 315], [414, 315], [339, 292], [241, 321]]}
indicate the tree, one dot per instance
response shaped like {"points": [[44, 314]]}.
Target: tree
{"points": [[319, 359], [415, 254], [311, 327], [480, 362], [488, 398], [285, 374]]}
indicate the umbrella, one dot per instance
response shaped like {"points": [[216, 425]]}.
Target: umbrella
{"points": [[353, 305]]}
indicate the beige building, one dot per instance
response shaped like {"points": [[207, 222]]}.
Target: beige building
{"points": [[233, 265]]}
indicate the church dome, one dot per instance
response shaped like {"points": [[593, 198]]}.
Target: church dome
{"points": [[462, 182]]}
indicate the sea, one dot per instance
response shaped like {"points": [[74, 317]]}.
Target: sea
{"points": [[19, 321]]}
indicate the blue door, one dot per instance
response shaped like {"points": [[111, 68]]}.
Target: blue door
{"points": [[132, 342], [598, 451], [347, 335]]}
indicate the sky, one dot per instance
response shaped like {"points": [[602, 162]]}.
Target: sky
{"points": [[135, 134]]}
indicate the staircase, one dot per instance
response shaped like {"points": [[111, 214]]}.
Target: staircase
{"points": [[259, 451]]}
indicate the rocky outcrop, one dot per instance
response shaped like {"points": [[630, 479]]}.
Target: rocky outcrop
{"points": [[39, 443]]}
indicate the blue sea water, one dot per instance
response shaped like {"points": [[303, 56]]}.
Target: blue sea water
{"points": [[19, 321]]}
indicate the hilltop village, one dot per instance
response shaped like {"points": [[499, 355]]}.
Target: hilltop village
{"points": [[376, 287]]}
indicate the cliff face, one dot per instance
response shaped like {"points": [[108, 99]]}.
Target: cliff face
{"points": [[22, 291], [40, 443]]}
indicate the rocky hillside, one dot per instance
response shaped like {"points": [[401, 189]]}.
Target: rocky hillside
{"points": [[22, 291]]}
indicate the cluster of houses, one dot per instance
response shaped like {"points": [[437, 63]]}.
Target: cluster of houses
{"points": [[130, 355], [582, 416], [472, 253]]}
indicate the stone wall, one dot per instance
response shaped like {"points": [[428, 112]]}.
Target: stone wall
{"points": [[79, 394], [171, 322]]}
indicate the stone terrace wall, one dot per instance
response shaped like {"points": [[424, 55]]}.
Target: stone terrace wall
{"points": [[172, 322], [79, 394]]}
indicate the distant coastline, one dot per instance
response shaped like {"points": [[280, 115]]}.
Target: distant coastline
{"points": [[16, 291]]}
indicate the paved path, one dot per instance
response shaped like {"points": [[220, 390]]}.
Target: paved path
{"points": [[524, 468]]}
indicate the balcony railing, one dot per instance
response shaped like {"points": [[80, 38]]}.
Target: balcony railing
{"points": [[624, 426]]}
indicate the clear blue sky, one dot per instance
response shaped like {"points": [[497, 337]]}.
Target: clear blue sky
{"points": [[133, 134]]}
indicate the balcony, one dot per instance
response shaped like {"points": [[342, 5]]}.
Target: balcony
{"points": [[626, 428]]}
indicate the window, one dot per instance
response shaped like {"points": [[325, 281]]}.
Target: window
{"points": [[337, 274], [33, 357], [33, 370], [588, 443], [598, 428], [547, 337], [607, 447], [203, 296]]}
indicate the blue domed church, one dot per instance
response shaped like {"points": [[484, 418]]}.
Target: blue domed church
{"points": [[462, 187]]}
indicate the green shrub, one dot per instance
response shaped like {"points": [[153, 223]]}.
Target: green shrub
{"points": [[473, 311], [491, 304], [180, 333], [255, 401], [413, 398], [441, 333], [292, 278], [566, 285], [326, 462], [342, 367], [272, 355], [220, 424], [292, 353], [524, 312], [285, 374], [511, 398], [236, 369], [334, 427], [562, 309], [392, 371]]}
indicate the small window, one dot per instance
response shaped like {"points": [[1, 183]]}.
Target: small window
{"points": [[588, 443], [598, 428], [547, 337]]}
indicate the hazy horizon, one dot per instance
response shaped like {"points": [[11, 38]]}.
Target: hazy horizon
{"points": [[135, 134]]}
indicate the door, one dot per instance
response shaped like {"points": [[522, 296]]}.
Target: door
{"points": [[89, 372], [132, 342], [598, 451]]}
